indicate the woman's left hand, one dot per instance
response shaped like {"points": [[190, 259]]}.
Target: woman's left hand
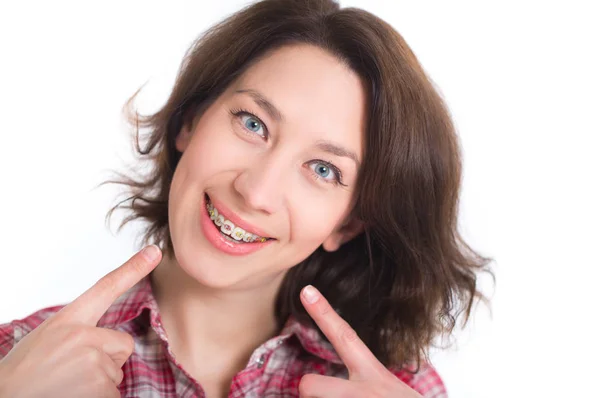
{"points": [[367, 376]]}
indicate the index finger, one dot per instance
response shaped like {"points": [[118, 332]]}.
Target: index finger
{"points": [[352, 350], [93, 303]]}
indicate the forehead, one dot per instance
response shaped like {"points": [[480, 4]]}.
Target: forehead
{"points": [[317, 95]]}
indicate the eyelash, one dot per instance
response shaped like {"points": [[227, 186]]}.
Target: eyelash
{"points": [[332, 167], [242, 112], [239, 112]]}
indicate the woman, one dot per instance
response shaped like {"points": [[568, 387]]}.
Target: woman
{"points": [[304, 194]]}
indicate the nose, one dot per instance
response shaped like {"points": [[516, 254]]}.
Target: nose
{"points": [[261, 184]]}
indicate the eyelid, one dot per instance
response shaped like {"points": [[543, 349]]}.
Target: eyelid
{"points": [[239, 112], [336, 171]]}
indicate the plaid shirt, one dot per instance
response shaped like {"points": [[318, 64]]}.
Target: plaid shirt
{"points": [[274, 369]]}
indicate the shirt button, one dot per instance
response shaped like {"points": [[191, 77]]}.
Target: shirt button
{"points": [[260, 361]]}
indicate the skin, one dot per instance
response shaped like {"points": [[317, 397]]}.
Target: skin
{"points": [[268, 181], [265, 175], [67, 355], [367, 376]]}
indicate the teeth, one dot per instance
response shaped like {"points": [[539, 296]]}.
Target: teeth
{"points": [[248, 237], [238, 233], [229, 228], [213, 213]]}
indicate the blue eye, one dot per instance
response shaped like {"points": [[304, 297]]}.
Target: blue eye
{"points": [[327, 172], [250, 123], [322, 170]]}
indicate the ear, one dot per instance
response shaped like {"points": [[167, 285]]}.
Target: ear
{"points": [[183, 138], [348, 231]]}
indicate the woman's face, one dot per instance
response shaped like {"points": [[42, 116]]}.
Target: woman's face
{"points": [[277, 156]]}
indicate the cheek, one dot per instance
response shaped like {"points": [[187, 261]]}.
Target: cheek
{"points": [[314, 219], [199, 162], [211, 150]]}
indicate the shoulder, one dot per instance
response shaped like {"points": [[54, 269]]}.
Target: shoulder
{"points": [[11, 333], [426, 381]]}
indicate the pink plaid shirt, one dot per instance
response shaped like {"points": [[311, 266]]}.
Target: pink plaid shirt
{"points": [[274, 369]]}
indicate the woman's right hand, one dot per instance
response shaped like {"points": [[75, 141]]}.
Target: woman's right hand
{"points": [[67, 355]]}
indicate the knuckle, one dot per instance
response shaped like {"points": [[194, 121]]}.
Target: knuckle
{"points": [[129, 343], [120, 376], [346, 333], [306, 383], [55, 325], [94, 356], [108, 283], [76, 335], [138, 263], [324, 309]]}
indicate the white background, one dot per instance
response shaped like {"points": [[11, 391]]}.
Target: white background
{"points": [[522, 82]]}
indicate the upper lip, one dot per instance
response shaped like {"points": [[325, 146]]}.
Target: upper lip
{"points": [[237, 220]]}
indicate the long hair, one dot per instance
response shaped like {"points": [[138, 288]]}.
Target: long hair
{"points": [[410, 275]]}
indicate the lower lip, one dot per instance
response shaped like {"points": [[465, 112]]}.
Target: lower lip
{"points": [[217, 239]]}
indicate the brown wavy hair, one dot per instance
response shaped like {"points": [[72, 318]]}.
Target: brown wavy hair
{"points": [[410, 275]]}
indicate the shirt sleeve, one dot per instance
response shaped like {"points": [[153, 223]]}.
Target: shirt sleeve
{"points": [[426, 381], [11, 333], [7, 338]]}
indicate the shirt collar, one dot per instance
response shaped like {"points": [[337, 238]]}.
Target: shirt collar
{"points": [[311, 340], [132, 303]]}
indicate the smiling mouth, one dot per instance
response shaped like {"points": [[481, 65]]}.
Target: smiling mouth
{"points": [[229, 230]]}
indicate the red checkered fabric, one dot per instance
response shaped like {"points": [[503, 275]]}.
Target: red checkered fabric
{"points": [[274, 369]]}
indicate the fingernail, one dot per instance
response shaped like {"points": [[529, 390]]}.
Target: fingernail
{"points": [[310, 294], [151, 252]]}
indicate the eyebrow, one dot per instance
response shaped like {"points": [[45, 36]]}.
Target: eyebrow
{"points": [[325, 146], [330, 147], [263, 102]]}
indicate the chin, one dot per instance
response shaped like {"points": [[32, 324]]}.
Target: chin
{"points": [[204, 268]]}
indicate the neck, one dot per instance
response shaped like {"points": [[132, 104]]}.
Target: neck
{"points": [[202, 322]]}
